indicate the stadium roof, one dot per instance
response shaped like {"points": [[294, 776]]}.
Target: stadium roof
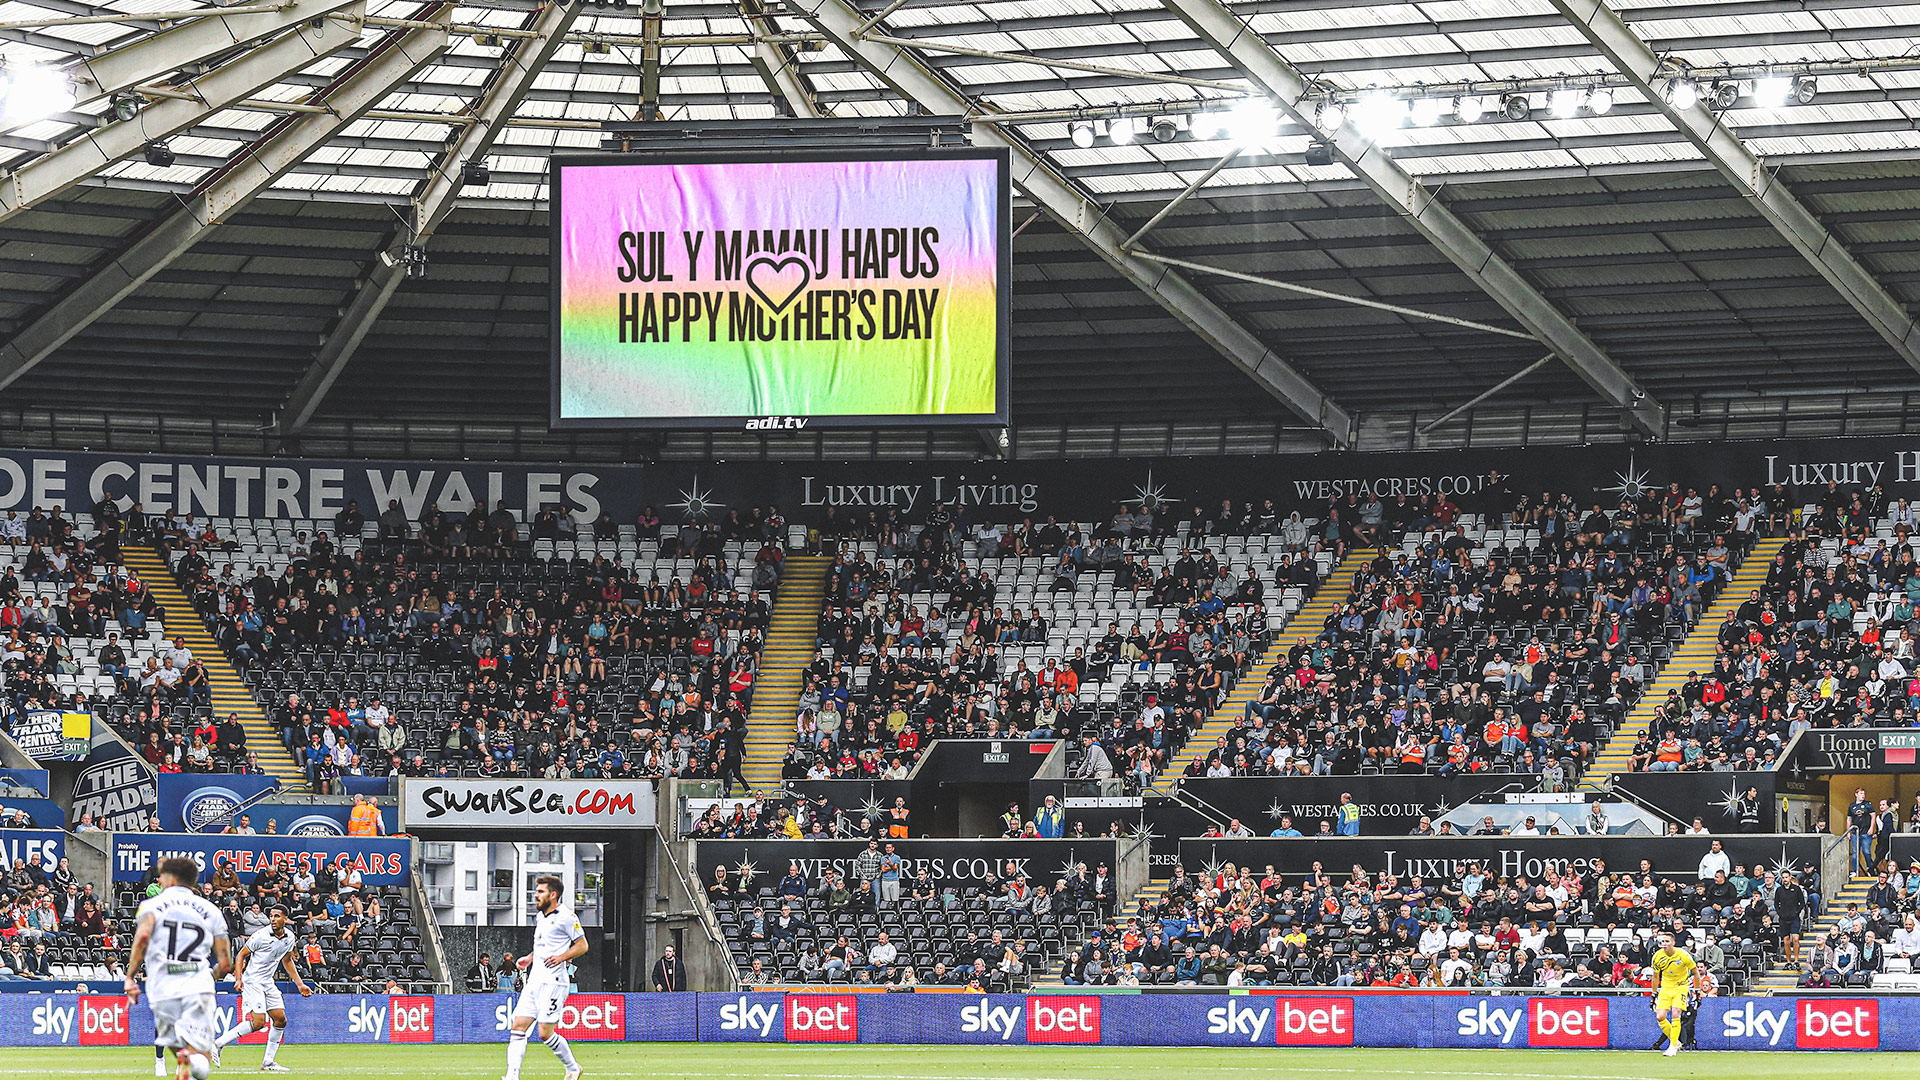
{"points": [[1672, 258]]}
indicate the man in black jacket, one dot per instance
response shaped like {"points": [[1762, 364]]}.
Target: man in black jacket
{"points": [[480, 977], [669, 974]]}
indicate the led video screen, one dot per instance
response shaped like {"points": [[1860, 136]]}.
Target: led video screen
{"points": [[780, 291]]}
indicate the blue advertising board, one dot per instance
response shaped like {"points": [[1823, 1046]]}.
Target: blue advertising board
{"points": [[38, 847], [116, 787], [203, 802], [311, 819], [380, 861], [1306, 1019]]}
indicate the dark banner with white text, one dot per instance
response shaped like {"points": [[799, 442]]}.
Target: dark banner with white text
{"points": [[1089, 488]]}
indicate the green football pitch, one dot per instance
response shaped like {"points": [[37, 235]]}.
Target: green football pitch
{"points": [[669, 1061]]}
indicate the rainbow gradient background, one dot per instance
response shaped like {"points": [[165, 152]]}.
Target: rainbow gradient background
{"points": [[953, 372]]}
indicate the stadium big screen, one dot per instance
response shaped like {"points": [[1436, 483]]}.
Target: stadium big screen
{"points": [[787, 290]]}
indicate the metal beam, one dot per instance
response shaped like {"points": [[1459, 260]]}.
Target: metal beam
{"points": [[161, 54], [519, 66], [1489, 392], [651, 26], [1328, 294], [1751, 177], [1233, 39], [220, 196], [1064, 202], [49, 175], [778, 64]]}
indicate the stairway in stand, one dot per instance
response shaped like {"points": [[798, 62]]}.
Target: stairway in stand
{"points": [[230, 692], [1696, 653], [792, 639], [1783, 977], [1305, 626]]}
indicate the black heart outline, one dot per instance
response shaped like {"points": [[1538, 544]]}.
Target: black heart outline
{"points": [[806, 278]]}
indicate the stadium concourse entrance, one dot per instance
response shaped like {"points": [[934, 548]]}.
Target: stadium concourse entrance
{"points": [[643, 906], [621, 949]]}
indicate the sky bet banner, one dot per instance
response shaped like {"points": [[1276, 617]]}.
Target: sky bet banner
{"points": [[380, 861], [1251, 1020], [811, 289]]}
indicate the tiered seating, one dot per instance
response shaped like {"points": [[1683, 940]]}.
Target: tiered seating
{"points": [[1828, 642], [1030, 614], [628, 656], [948, 932], [390, 949], [1460, 932]]}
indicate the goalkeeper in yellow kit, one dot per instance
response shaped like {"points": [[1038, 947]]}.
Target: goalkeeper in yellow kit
{"points": [[1675, 969]]}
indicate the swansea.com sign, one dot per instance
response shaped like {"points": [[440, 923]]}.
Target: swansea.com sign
{"points": [[456, 804]]}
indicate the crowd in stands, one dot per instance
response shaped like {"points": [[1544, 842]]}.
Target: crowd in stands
{"points": [[1570, 929], [54, 927], [1826, 642], [1514, 639], [886, 921], [1125, 636], [1879, 938], [353, 937], [470, 644]]}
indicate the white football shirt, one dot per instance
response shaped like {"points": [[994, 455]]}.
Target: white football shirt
{"points": [[553, 933], [180, 952], [265, 952]]}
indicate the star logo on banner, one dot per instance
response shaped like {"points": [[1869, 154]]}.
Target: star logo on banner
{"points": [[1277, 810], [1784, 865], [1729, 801], [1214, 864], [746, 872], [697, 501], [1440, 809], [1069, 868], [870, 806], [1142, 831], [1148, 496], [1632, 482]]}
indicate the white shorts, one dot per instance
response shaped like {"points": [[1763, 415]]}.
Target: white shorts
{"points": [[255, 1000], [184, 1022], [543, 1003]]}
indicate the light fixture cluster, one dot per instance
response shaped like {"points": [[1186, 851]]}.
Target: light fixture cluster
{"points": [[31, 92], [1770, 91], [1379, 111], [1126, 130]]}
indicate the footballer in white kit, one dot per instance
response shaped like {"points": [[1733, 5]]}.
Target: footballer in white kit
{"points": [[268, 952], [557, 942], [181, 946]]}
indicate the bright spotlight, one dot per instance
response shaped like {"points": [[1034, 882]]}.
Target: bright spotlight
{"points": [[1600, 102], [1329, 116], [1564, 102], [35, 93], [1426, 111], [1379, 114], [1252, 122], [1683, 93], [1772, 91], [1082, 134], [1120, 130], [1470, 108]]}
